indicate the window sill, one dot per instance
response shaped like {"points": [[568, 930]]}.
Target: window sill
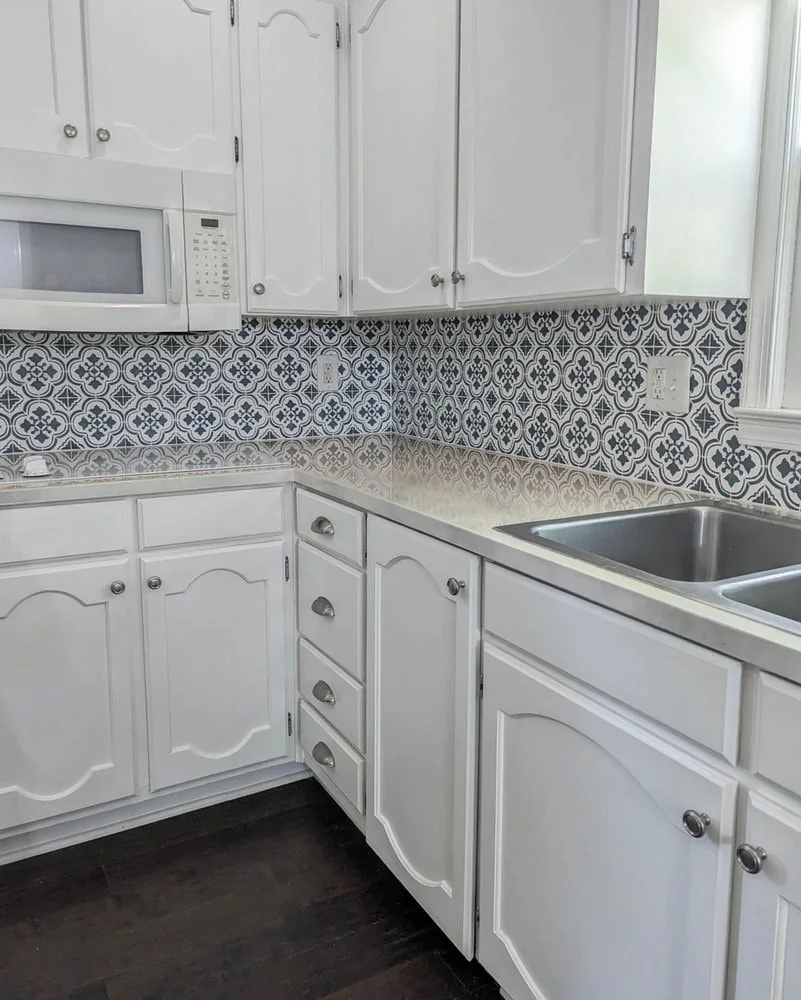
{"points": [[770, 428]]}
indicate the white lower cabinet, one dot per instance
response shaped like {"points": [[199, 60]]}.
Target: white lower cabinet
{"points": [[66, 735], [769, 953], [216, 676], [422, 680], [590, 886]]}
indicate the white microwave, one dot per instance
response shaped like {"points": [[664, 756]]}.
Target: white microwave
{"points": [[87, 245]]}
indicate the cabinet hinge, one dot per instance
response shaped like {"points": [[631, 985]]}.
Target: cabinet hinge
{"points": [[289, 723], [232, 8], [629, 247], [286, 567], [481, 686], [351, 286], [237, 153], [341, 287], [339, 36], [350, 34]]}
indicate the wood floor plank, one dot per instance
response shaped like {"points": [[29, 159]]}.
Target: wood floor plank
{"points": [[275, 898]]}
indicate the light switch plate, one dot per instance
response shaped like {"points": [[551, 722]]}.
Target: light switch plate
{"points": [[669, 383]]}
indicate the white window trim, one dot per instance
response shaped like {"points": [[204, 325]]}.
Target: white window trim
{"points": [[761, 418]]}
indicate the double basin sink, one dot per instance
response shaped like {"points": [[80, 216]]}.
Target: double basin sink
{"points": [[716, 552]]}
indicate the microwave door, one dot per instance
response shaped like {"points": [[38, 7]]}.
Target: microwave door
{"points": [[72, 266]]}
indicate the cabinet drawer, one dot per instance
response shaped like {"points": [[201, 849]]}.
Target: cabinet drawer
{"points": [[207, 517], [337, 697], [63, 530], [340, 762], [778, 737], [340, 632], [686, 687], [331, 526]]}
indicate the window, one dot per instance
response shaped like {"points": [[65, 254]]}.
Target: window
{"points": [[770, 414]]}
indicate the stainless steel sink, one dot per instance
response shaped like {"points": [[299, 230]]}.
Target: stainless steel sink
{"points": [[697, 543], [779, 594]]}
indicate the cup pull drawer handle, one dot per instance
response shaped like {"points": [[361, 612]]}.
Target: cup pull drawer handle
{"points": [[323, 526], [322, 754], [324, 693], [323, 607]]}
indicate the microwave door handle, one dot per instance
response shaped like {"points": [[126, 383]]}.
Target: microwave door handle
{"points": [[174, 231]]}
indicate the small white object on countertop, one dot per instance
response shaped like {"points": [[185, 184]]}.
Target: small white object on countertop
{"points": [[35, 467]]}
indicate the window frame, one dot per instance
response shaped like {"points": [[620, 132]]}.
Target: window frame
{"points": [[762, 419]]}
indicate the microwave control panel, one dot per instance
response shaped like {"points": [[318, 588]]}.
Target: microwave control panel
{"points": [[210, 257]]}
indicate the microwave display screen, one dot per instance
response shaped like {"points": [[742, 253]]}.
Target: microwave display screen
{"points": [[52, 257], [210, 223]]}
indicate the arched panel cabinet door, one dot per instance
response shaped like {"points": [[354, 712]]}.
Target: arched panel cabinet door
{"points": [[590, 884], [215, 661], [160, 82], [42, 97], [290, 121], [769, 951], [422, 677], [66, 734], [404, 112], [546, 110]]}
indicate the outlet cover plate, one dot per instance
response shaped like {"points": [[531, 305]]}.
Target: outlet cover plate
{"points": [[328, 372], [668, 383]]}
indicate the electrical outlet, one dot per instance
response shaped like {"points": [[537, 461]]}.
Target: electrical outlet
{"points": [[328, 372], [669, 383]]}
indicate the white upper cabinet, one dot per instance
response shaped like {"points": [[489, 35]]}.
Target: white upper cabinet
{"points": [[160, 83], [769, 956], [42, 105], [66, 732], [546, 100], [290, 123], [216, 674], [590, 885], [423, 682], [404, 111]]}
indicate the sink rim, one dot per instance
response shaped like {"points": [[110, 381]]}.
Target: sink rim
{"points": [[719, 594]]}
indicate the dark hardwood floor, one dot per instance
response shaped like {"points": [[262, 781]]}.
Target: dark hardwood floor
{"points": [[274, 897]]}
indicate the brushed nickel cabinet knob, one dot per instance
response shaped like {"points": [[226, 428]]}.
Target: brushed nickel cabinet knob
{"points": [[695, 823], [751, 859], [455, 587], [117, 588]]}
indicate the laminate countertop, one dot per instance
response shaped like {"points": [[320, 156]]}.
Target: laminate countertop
{"points": [[459, 495]]}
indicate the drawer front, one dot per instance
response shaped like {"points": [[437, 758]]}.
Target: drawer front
{"points": [[684, 686], [329, 755], [338, 698], [331, 526], [331, 608], [58, 531], [210, 517], [778, 739]]}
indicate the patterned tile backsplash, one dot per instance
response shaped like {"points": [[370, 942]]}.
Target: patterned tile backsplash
{"points": [[60, 391], [569, 387]]}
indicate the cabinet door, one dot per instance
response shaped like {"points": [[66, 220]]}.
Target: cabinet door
{"points": [[590, 887], [159, 76], [769, 956], [404, 78], [291, 167], [423, 691], [66, 734], [216, 674], [41, 76], [545, 144]]}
